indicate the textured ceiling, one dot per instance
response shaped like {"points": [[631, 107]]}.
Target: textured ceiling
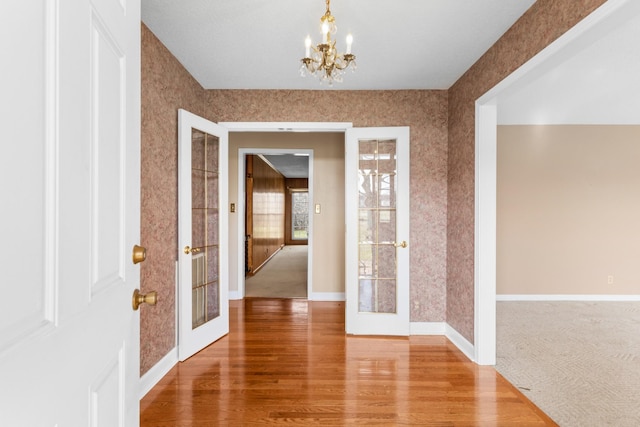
{"points": [[399, 44]]}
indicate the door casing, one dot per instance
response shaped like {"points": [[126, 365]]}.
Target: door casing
{"points": [[241, 206]]}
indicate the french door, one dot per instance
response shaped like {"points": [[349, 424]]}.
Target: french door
{"points": [[203, 294], [377, 231]]}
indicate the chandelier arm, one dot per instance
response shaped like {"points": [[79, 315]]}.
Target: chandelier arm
{"points": [[344, 61]]}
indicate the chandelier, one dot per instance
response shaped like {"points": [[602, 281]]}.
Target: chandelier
{"points": [[325, 62]]}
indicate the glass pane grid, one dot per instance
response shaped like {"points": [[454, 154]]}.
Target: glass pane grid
{"points": [[205, 228], [377, 224]]}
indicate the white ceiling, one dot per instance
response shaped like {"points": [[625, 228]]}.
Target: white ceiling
{"points": [[597, 83], [399, 44]]}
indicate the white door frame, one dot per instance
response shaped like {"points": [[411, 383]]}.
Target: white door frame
{"points": [[241, 207], [275, 127], [600, 22]]}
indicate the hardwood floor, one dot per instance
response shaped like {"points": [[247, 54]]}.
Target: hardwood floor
{"points": [[289, 362]]}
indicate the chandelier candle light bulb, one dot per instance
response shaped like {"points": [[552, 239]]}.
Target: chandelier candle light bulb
{"points": [[307, 45], [325, 62]]}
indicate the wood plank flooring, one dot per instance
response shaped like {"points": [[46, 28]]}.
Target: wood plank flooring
{"points": [[289, 362]]}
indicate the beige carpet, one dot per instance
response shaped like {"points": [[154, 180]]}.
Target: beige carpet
{"points": [[577, 361], [284, 276]]}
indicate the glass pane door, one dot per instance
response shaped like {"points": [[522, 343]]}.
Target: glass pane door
{"points": [[203, 279], [377, 231], [204, 228]]}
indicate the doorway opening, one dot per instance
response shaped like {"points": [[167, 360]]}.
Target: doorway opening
{"points": [[295, 132], [594, 27], [256, 235], [276, 228]]}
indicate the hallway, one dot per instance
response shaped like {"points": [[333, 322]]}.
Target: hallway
{"points": [[283, 276], [289, 362]]}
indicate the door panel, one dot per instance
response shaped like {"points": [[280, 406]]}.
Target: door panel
{"points": [[107, 150], [27, 201], [377, 202], [69, 338], [203, 233]]}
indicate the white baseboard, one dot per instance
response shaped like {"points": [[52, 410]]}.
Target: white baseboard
{"points": [[517, 297], [461, 342], [326, 296], [234, 295], [159, 370], [427, 328]]}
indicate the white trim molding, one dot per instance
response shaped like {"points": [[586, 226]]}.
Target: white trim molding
{"points": [[505, 297], [326, 296], [286, 126], [234, 295], [485, 234], [427, 328], [461, 342], [157, 372]]}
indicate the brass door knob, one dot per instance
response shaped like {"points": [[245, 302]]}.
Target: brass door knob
{"points": [[188, 250], [400, 245], [139, 254], [151, 298]]}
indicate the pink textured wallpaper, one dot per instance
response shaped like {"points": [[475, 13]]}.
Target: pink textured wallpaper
{"points": [[425, 112], [544, 22], [166, 86]]}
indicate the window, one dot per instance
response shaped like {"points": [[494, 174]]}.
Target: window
{"points": [[299, 215]]}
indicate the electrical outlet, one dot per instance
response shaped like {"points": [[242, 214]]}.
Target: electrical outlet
{"points": [[609, 280]]}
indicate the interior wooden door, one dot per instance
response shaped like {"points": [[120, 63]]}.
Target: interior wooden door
{"points": [[203, 233], [377, 224]]}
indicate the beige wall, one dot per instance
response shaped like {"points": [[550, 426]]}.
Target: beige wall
{"points": [[328, 190], [568, 210]]}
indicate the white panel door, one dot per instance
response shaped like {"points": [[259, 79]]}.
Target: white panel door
{"points": [[203, 233], [69, 185], [377, 226]]}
